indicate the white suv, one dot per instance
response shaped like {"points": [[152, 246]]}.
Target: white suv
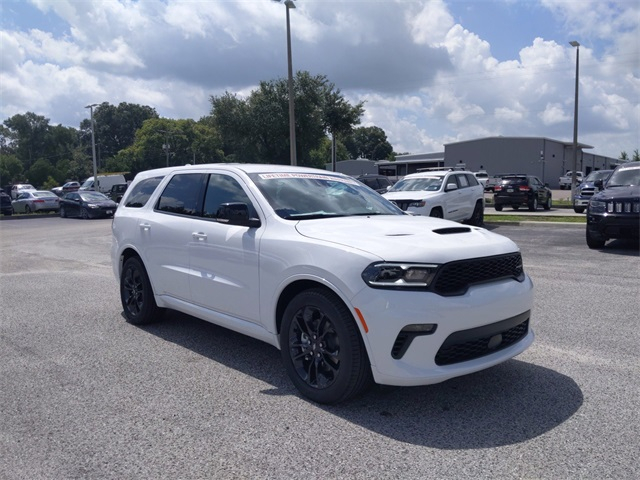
{"points": [[348, 287], [451, 194]]}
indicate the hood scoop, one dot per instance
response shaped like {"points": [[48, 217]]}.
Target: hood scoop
{"points": [[452, 230]]}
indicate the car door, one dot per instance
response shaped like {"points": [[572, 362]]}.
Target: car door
{"points": [[166, 233], [541, 191], [454, 199], [71, 202], [224, 258]]}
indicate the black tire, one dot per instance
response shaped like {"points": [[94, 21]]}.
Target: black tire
{"points": [[533, 204], [594, 240], [578, 209], [321, 348], [63, 213], [84, 213], [547, 204], [477, 218], [436, 213], [498, 208], [136, 294], [515, 207], [27, 209]]}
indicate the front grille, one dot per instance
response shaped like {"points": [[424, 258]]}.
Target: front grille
{"points": [[403, 204], [627, 206], [478, 342], [587, 191], [456, 277]]}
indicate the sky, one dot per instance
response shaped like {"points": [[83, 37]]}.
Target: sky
{"points": [[429, 72]]}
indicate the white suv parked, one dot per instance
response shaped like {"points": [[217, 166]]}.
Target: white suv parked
{"points": [[451, 194], [348, 287]]}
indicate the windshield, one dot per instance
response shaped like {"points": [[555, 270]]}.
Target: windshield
{"points": [[93, 197], [300, 196], [624, 177], [598, 175], [429, 184]]}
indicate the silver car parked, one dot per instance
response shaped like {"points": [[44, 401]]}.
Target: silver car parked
{"points": [[36, 201]]}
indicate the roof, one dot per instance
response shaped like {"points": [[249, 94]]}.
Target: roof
{"points": [[500, 137]]}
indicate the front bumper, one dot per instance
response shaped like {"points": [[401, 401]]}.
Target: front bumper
{"points": [[461, 322], [614, 226]]}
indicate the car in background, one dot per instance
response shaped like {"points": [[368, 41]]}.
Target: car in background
{"points": [[587, 189], [66, 188], [348, 287], [517, 191], [483, 177], [614, 212], [29, 201], [86, 204], [117, 191], [19, 188], [5, 204], [565, 180], [494, 180], [379, 183], [451, 194]]}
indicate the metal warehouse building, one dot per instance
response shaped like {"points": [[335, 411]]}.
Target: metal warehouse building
{"points": [[546, 158]]}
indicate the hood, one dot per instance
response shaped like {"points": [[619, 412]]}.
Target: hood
{"points": [[611, 193], [409, 195], [405, 238]]}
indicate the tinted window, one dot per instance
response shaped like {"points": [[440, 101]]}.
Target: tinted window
{"points": [[181, 194], [224, 189], [140, 194], [462, 181], [472, 179]]}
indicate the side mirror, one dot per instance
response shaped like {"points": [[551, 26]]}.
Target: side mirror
{"points": [[598, 184], [236, 214], [451, 186]]}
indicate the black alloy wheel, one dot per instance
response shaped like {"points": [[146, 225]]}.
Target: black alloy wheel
{"points": [[136, 294], [595, 240], [321, 348], [477, 218], [436, 213], [533, 204], [84, 213], [547, 204], [63, 212], [27, 209]]}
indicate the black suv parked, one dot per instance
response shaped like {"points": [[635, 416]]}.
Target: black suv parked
{"points": [[521, 190], [5, 204], [615, 211], [379, 183]]}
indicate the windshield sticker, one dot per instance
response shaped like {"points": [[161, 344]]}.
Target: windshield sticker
{"points": [[310, 176]]}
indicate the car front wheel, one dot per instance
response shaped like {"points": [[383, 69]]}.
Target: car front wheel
{"points": [[595, 240], [136, 294], [321, 348], [578, 209], [84, 213], [498, 208], [547, 204]]}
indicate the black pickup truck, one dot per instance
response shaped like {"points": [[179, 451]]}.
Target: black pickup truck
{"points": [[117, 191]]}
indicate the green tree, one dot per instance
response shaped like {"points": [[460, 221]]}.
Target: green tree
{"points": [[623, 156], [10, 169], [40, 171], [257, 129], [636, 155], [370, 143], [26, 136], [321, 156], [115, 126]]}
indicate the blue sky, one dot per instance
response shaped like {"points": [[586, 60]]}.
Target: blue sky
{"points": [[430, 72]]}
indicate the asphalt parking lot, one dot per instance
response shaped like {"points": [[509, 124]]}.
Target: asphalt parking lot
{"points": [[83, 394]]}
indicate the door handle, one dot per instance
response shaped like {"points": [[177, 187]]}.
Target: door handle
{"points": [[199, 236], [145, 226]]}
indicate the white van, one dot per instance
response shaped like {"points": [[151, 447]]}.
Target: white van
{"points": [[105, 182]]}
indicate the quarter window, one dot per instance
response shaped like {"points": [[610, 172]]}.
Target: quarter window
{"points": [[142, 191]]}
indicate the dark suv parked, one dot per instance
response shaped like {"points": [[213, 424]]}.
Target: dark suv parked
{"points": [[615, 211], [521, 190], [379, 183], [5, 204]]}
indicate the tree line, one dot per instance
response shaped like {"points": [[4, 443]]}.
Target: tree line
{"points": [[132, 138]]}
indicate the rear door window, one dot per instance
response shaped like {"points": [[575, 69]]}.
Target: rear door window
{"points": [[139, 195], [182, 194]]}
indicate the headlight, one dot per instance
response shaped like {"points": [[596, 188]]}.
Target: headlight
{"points": [[418, 204], [92, 205], [399, 275], [596, 206]]}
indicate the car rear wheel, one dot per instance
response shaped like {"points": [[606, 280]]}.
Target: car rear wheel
{"points": [[533, 204], [578, 209], [27, 209], [321, 348], [594, 240], [136, 294], [63, 212], [498, 208], [515, 207]]}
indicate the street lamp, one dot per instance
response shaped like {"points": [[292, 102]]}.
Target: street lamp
{"points": [[292, 119], [575, 122], [166, 145], [93, 148]]}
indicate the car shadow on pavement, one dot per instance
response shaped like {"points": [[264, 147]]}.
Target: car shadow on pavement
{"points": [[507, 404]]}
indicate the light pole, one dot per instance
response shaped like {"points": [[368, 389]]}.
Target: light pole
{"points": [[575, 121], [93, 149], [292, 119], [166, 145]]}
